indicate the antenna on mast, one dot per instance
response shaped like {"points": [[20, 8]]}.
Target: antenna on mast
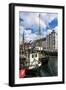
{"points": [[39, 33]]}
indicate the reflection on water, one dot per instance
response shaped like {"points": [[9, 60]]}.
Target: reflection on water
{"points": [[49, 68]]}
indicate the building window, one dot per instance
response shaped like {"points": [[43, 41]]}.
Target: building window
{"points": [[32, 56], [35, 55]]}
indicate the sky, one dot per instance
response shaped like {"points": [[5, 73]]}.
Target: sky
{"points": [[30, 22]]}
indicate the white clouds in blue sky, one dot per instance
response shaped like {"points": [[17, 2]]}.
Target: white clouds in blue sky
{"points": [[29, 24]]}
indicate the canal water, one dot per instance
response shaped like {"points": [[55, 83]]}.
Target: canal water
{"points": [[50, 68], [47, 69]]}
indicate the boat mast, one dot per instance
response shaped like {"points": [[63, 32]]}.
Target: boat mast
{"points": [[39, 34], [23, 44]]}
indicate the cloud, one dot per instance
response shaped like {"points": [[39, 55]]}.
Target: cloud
{"points": [[48, 17], [32, 20], [49, 31], [56, 29], [28, 35], [29, 24]]}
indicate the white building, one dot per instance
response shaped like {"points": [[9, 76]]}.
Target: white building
{"points": [[52, 41]]}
